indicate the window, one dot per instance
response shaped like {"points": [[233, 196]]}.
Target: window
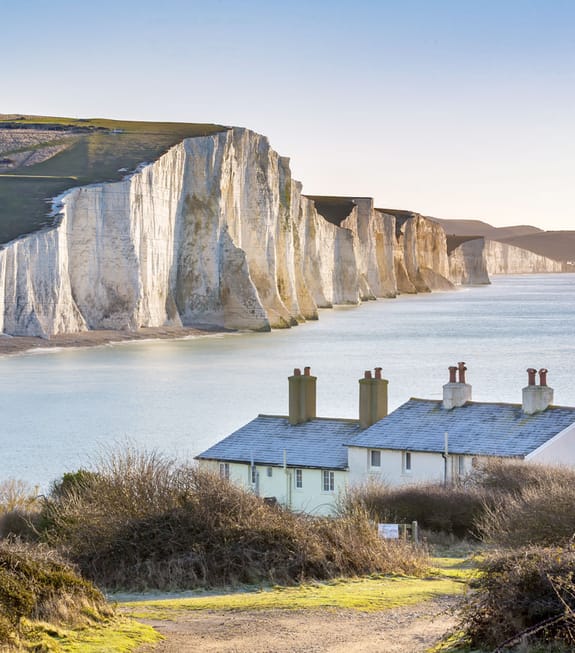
{"points": [[254, 474], [299, 478], [225, 470], [270, 471], [375, 458], [406, 462], [461, 465], [328, 480]]}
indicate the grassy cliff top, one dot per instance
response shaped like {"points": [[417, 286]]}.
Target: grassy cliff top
{"points": [[41, 157]]}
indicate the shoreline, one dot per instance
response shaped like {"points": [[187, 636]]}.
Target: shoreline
{"points": [[12, 345]]}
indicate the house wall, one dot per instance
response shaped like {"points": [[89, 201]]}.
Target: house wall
{"points": [[425, 467], [311, 498], [560, 450]]}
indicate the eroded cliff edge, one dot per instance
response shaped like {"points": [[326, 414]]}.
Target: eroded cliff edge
{"points": [[214, 233]]}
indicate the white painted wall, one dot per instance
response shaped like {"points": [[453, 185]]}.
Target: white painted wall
{"points": [[310, 498], [560, 450], [425, 467]]}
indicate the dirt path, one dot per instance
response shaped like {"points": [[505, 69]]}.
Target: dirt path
{"points": [[412, 629]]}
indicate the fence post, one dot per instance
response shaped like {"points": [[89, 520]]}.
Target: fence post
{"points": [[414, 532]]}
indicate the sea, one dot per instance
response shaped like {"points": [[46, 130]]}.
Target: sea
{"points": [[62, 410]]}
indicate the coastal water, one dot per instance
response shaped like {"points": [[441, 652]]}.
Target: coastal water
{"points": [[61, 409]]}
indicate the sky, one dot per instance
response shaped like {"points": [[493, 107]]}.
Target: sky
{"points": [[451, 108]]}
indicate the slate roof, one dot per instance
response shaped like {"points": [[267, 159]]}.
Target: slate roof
{"points": [[318, 443], [483, 429]]}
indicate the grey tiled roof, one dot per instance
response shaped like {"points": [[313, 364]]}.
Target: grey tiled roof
{"points": [[317, 443], [476, 428]]}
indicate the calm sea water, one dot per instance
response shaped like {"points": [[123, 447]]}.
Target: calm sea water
{"points": [[61, 409]]}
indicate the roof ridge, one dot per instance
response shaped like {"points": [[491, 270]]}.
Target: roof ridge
{"points": [[315, 419]]}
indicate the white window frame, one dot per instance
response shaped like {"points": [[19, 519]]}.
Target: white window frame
{"points": [[225, 471], [298, 479], [375, 454], [461, 465], [328, 480], [253, 474], [406, 462], [269, 472]]}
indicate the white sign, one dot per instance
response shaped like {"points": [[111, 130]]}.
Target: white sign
{"points": [[388, 531]]}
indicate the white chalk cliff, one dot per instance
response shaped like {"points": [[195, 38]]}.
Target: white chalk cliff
{"points": [[214, 233], [474, 261]]}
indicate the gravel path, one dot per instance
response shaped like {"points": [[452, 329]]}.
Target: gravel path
{"points": [[411, 629]]}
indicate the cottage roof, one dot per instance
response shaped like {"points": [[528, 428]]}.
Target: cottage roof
{"points": [[317, 443], [483, 429]]}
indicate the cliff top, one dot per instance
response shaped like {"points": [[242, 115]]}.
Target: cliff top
{"points": [[42, 156]]}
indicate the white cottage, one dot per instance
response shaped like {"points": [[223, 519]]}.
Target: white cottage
{"points": [[431, 440], [304, 462], [299, 460]]}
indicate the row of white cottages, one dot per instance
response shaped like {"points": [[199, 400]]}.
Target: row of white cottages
{"points": [[305, 462]]}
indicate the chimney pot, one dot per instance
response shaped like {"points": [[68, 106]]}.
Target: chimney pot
{"points": [[367, 374], [452, 374], [307, 371], [378, 372], [462, 369], [531, 372], [297, 371], [543, 376]]}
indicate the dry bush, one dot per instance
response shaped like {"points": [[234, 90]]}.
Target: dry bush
{"points": [[143, 522], [19, 509], [36, 584], [508, 476], [451, 510], [541, 514], [16, 494], [522, 596]]}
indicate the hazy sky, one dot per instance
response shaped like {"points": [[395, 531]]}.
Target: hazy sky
{"points": [[453, 108]]}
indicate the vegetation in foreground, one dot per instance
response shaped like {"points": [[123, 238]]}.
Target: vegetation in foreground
{"points": [[140, 521], [43, 601]]}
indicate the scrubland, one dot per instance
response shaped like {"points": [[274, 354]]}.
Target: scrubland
{"points": [[139, 521]]}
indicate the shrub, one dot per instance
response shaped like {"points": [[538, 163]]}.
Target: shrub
{"points": [[527, 594], [539, 510], [452, 510], [36, 584], [16, 495], [143, 522]]}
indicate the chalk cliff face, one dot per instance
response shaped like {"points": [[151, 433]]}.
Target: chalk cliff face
{"points": [[216, 232], [475, 260]]}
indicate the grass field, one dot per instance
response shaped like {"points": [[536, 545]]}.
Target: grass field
{"points": [[87, 151]]}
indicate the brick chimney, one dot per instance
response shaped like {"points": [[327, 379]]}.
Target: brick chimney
{"points": [[302, 396], [372, 398], [536, 398], [457, 392]]}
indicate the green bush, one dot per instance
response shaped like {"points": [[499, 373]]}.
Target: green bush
{"points": [[36, 584], [526, 595], [144, 522]]}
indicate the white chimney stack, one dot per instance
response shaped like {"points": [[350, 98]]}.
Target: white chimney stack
{"points": [[456, 393], [536, 398]]}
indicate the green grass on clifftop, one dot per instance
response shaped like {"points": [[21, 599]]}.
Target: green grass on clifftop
{"points": [[41, 157]]}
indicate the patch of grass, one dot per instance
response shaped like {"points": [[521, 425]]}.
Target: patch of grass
{"points": [[121, 635], [101, 151], [365, 594]]}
